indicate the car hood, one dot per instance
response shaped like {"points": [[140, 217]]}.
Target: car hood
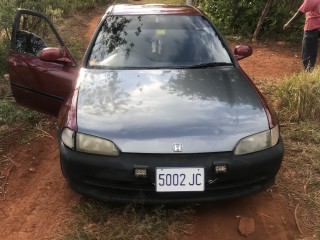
{"points": [[147, 111]]}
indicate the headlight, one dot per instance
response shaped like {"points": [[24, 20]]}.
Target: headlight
{"points": [[88, 144], [258, 142], [95, 145], [68, 137]]}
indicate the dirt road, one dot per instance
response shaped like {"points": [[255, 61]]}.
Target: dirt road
{"points": [[37, 198]]}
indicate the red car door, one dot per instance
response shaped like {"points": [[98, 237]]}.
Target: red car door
{"points": [[41, 69]]}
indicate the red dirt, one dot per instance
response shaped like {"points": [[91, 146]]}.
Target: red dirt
{"points": [[37, 198], [272, 61]]}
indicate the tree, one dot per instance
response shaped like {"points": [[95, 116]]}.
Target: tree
{"points": [[261, 19], [7, 12]]}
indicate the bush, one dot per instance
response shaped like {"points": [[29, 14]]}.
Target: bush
{"points": [[299, 96], [240, 17], [232, 17]]}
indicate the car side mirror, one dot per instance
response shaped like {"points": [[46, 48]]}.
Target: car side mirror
{"points": [[242, 51], [54, 55]]}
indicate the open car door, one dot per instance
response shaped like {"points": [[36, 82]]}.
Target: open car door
{"points": [[41, 69]]}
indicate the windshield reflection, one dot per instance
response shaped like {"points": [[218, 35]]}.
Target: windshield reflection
{"points": [[153, 41], [111, 92], [102, 93], [208, 85]]}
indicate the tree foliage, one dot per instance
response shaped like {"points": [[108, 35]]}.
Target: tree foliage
{"points": [[6, 17], [240, 17]]}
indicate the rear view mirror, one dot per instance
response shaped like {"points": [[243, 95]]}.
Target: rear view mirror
{"points": [[54, 55], [242, 51]]}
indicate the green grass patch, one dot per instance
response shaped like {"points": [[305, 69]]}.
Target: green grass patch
{"points": [[299, 96], [10, 113], [97, 220], [306, 132], [17, 123]]}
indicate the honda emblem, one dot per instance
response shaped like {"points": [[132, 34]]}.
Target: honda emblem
{"points": [[177, 147]]}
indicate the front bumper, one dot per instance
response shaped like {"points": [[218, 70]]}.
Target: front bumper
{"points": [[112, 178]]}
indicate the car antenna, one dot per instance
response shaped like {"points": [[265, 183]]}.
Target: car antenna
{"points": [[113, 5]]}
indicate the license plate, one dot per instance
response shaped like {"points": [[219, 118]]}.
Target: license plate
{"points": [[179, 179]]}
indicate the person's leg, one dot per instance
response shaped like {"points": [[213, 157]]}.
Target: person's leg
{"points": [[310, 49]]}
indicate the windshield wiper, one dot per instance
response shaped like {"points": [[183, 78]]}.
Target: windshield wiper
{"points": [[211, 64]]}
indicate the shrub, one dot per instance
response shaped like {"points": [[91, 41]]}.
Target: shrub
{"points": [[240, 17]]}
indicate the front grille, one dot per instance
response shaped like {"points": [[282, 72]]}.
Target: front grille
{"points": [[147, 185]]}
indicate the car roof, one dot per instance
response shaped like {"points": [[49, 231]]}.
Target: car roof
{"points": [[145, 9]]}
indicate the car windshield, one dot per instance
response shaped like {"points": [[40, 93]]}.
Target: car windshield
{"points": [[156, 41]]}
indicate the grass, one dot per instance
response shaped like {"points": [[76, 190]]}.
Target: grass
{"points": [[299, 179], [10, 114], [17, 124], [96, 220], [297, 101], [299, 107], [299, 96]]}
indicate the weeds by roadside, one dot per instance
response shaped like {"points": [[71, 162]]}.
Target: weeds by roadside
{"points": [[299, 96], [10, 113], [298, 105], [299, 179], [297, 101], [97, 220]]}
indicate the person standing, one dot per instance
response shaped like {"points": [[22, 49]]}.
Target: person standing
{"points": [[311, 8]]}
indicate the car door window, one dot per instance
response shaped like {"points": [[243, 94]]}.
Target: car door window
{"points": [[33, 34]]}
